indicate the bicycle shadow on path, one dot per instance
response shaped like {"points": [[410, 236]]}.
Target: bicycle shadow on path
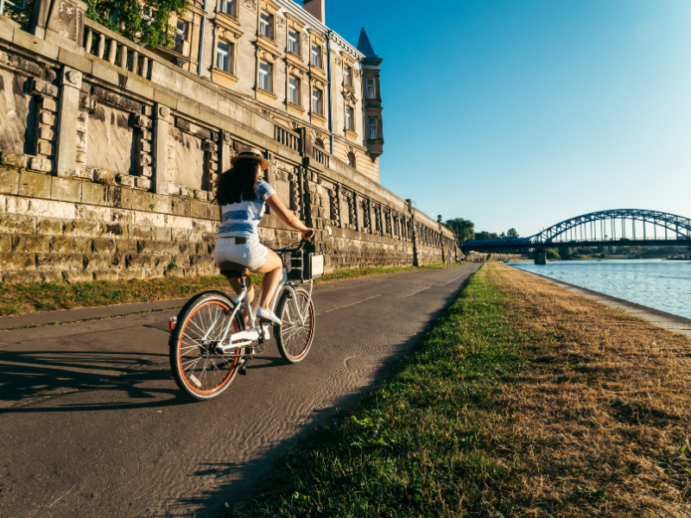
{"points": [[86, 364]]}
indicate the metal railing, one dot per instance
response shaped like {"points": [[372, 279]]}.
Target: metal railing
{"points": [[7, 2], [116, 50]]}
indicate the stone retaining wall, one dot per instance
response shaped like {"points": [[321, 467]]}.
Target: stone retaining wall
{"points": [[105, 174]]}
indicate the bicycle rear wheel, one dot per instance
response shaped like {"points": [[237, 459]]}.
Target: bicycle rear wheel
{"points": [[294, 338], [199, 371]]}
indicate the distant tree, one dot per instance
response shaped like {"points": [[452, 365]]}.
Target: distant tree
{"points": [[512, 233], [566, 252], [463, 227], [486, 235], [553, 254]]}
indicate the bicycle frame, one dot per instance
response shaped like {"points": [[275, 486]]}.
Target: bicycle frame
{"points": [[254, 333]]}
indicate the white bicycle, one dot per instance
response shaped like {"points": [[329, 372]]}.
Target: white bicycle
{"points": [[210, 343]]}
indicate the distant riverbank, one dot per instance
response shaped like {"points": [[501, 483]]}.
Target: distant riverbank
{"points": [[656, 283]]}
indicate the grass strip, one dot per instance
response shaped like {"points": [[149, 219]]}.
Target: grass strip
{"points": [[422, 443], [18, 299], [522, 400]]}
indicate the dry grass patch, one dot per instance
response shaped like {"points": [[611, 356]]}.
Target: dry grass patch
{"points": [[607, 397], [522, 400]]}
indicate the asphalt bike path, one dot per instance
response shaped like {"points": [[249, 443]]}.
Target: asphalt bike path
{"points": [[93, 425]]}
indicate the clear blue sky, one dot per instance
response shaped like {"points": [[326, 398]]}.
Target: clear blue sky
{"points": [[524, 113]]}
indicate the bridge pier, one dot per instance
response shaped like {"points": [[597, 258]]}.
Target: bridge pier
{"points": [[540, 257]]}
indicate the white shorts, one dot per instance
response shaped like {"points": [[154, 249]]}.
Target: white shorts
{"points": [[251, 255]]}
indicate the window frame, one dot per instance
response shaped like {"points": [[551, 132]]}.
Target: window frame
{"points": [[180, 41], [230, 55], [348, 76], [350, 118], [373, 83], [370, 126], [296, 90], [269, 25], [234, 5], [318, 54], [320, 105], [297, 41], [268, 75]]}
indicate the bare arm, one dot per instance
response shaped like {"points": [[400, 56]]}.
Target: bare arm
{"points": [[287, 216]]}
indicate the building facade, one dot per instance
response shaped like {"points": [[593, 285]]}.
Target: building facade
{"points": [[284, 60], [109, 153]]}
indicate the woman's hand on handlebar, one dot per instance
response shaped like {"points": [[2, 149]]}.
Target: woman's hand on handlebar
{"points": [[308, 234]]}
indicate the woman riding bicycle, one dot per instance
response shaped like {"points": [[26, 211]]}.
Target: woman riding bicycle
{"points": [[243, 197]]}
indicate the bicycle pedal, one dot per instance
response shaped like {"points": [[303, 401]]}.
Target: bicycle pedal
{"points": [[243, 369]]}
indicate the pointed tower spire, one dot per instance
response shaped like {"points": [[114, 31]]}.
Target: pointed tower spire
{"points": [[365, 46]]}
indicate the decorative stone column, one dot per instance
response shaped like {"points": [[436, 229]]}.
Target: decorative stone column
{"points": [[370, 210], [337, 188], [66, 153], [227, 152], [162, 120], [357, 223]]}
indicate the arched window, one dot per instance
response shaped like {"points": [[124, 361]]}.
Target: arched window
{"points": [[351, 160]]}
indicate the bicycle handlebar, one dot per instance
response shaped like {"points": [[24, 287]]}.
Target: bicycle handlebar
{"points": [[303, 242]]}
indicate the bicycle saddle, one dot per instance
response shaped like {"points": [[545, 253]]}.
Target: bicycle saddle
{"points": [[233, 270]]}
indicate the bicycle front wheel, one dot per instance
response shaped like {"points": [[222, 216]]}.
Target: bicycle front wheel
{"points": [[199, 369], [294, 336]]}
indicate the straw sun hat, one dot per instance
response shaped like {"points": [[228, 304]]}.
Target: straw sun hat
{"points": [[251, 152]]}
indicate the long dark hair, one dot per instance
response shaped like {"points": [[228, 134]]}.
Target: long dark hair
{"points": [[237, 183]]}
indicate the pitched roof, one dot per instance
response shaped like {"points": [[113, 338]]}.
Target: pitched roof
{"points": [[365, 46]]}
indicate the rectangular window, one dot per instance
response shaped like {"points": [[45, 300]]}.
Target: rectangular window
{"points": [[371, 89], [294, 90], [350, 125], [224, 56], [265, 76], [293, 42], [228, 7], [372, 128], [180, 35], [317, 101], [316, 56], [266, 25], [348, 76]]}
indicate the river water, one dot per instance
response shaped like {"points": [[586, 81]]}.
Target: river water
{"points": [[656, 283]]}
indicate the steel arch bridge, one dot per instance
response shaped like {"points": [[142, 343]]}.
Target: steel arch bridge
{"points": [[607, 227]]}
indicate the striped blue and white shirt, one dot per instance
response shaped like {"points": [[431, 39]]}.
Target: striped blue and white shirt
{"points": [[242, 219]]}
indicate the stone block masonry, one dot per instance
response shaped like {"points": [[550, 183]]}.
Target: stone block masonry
{"points": [[105, 174]]}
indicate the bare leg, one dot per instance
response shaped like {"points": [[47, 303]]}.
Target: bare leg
{"points": [[237, 288], [272, 268]]}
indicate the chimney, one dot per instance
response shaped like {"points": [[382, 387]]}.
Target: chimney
{"points": [[316, 9]]}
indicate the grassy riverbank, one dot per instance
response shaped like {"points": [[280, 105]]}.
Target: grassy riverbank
{"points": [[19, 299], [521, 400]]}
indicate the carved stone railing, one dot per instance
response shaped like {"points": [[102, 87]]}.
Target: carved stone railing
{"points": [[287, 138], [116, 50], [321, 156]]}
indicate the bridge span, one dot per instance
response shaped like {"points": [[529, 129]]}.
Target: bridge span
{"points": [[620, 227]]}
